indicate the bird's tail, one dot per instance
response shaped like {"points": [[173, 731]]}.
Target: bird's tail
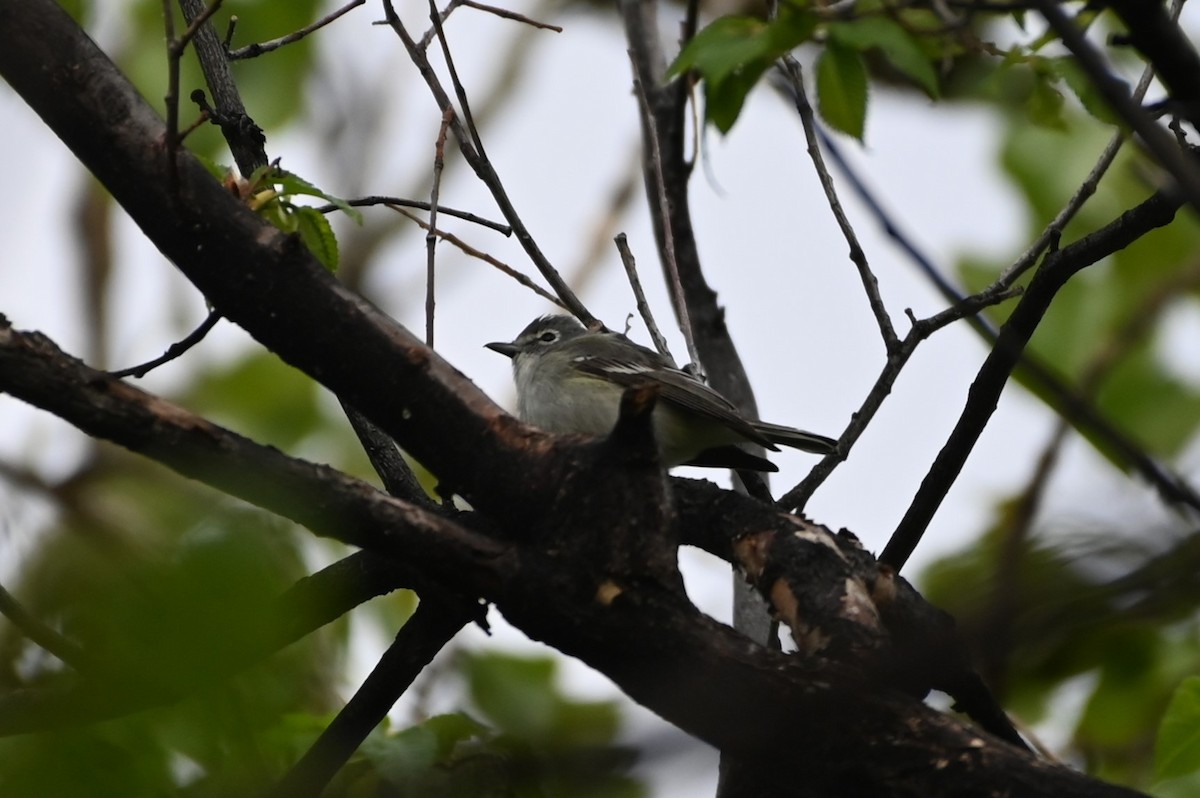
{"points": [[795, 438]]}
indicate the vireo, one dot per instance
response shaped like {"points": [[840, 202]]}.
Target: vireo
{"points": [[570, 380]]}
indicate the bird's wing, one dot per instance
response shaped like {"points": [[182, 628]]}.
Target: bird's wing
{"points": [[678, 388]]}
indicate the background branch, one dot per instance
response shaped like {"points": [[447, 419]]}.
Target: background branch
{"points": [[1058, 267]]}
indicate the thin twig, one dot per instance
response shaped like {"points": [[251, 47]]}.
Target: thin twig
{"points": [[253, 50], [427, 39], [66, 650], [393, 202], [171, 99], [245, 138], [796, 498], [1174, 489], [660, 343], [487, 174], [200, 120], [194, 27], [984, 393], [660, 198], [791, 68], [174, 351], [501, 266], [513, 15], [439, 162], [460, 91]]}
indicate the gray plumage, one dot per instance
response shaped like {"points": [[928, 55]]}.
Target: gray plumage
{"points": [[570, 380]]}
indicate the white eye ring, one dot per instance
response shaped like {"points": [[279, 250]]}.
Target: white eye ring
{"points": [[548, 336]]}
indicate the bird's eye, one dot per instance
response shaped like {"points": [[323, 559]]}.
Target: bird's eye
{"points": [[548, 337]]}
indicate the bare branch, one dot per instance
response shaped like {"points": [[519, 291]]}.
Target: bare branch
{"points": [[439, 160], [363, 202], [430, 628], [254, 50], [194, 26], [1086, 189], [660, 343], [513, 15], [245, 138], [655, 156], [174, 351], [502, 267], [1173, 488], [984, 394], [483, 168], [795, 82]]}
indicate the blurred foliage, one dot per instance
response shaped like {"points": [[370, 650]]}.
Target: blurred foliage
{"points": [[1177, 752], [522, 737], [1072, 617]]}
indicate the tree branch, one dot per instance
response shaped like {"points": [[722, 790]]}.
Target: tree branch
{"points": [[1058, 267]]}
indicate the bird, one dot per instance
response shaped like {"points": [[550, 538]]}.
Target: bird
{"points": [[570, 380]]}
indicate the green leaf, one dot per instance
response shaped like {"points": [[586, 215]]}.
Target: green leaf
{"points": [[723, 101], [217, 170], [1083, 87], [1045, 106], [520, 696], [900, 49], [293, 185], [1177, 751], [842, 89], [733, 52], [317, 235]]}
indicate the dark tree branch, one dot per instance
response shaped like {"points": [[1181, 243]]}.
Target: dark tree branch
{"points": [[632, 627], [418, 642], [1058, 267], [398, 478], [1162, 42], [174, 351], [319, 497], [1158, 141], [664, 163], [245, 138]]}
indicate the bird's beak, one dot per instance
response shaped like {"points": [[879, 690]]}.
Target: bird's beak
{"points": [[506, 349]]}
